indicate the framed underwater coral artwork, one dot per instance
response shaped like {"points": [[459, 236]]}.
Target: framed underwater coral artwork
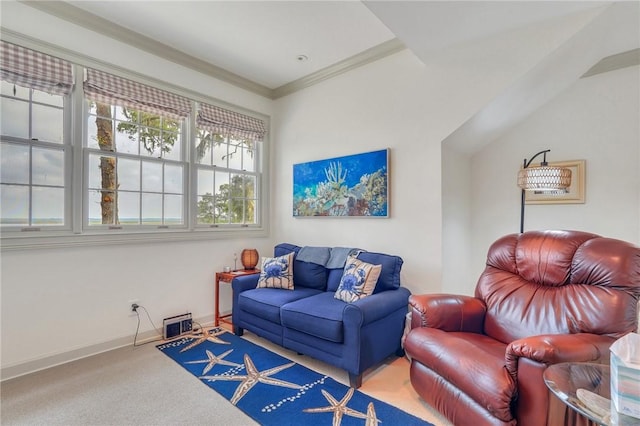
{"points": [[353, 185]]}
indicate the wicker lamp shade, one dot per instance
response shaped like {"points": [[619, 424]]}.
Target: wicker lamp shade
{"points": [[544, 178], [550, 179], [249, 258]]}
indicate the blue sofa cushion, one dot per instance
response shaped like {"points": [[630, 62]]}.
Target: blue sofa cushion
{"points": [[333, 279], [284, 248], [305, 274], [265, 303], [391, 265], [319, 316]]}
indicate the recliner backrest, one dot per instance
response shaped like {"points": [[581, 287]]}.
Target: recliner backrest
{"points": [[559, 282]]}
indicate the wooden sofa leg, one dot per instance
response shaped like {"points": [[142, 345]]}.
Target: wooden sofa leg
{"points": [[355, 380], [238, 331]]}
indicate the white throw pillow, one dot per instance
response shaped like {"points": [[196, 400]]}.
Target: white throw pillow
{"points": [[358, 280], [277, 272]]}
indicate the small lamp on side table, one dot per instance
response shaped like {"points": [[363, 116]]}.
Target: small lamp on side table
{"points": [[249, 258]]}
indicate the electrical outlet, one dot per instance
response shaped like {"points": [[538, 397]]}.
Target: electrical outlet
{"points": [[132, 313]]}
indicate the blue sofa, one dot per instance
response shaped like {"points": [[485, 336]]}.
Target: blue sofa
{"points": [[311, 321]]}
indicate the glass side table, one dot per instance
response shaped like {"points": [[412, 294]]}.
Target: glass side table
{"points": [[567, 378]]}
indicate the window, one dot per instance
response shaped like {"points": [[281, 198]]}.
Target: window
{"points": [[34, 148], [135, 156], [141, 160], [227, 182], [135, 168], [227, 175]]}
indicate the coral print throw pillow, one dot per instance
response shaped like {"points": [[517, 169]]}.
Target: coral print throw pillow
{"points": [[358, 280], [277, 272]]}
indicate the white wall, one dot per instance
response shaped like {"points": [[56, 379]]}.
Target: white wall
{"points": [[407, 106], [456, 222], [68, 302], [613, 31], [74, 300], [596, 119], [378, 106], [395, 103]]}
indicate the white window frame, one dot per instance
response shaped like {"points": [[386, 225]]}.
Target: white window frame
{"points": [[256, 173], [183, 161], [75, 170], [66, 148]]}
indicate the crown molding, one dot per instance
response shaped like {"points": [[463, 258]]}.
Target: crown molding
{"points": [[102, 26], [370, 55], [88, 61], [615, 62]]}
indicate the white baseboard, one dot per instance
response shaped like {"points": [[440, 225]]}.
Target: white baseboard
{"points": [[28, 367]]}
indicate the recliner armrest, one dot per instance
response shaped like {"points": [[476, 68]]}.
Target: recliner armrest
{"points": [[556, 348], [447, 312]]}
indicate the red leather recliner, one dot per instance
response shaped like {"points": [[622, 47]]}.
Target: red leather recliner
{"points": [[544, 297]]}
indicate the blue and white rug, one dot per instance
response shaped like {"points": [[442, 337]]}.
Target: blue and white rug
{"points": [[274, 390]]}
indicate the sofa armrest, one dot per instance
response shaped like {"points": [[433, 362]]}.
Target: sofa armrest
{"points": [[556, 348], [375, 307], [238, 285], [447, 312], [244, 282]]}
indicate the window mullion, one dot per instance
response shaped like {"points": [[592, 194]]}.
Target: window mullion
{"points": [[75, 129], [163, 194], [141, 196], [30, 176], [190, 201]]}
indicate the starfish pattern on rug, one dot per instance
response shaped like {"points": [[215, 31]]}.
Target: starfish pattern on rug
{"points": [[372, 419], [253, 377], [205, 336], [212, 360], [339, 409]]}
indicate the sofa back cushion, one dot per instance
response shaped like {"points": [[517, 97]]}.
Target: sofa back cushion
{"points": [[333, 279], [559, 282], [312, 275], [305, 274], [391, 265]]}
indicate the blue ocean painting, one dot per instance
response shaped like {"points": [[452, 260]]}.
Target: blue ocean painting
{"points": [[353, 185]]}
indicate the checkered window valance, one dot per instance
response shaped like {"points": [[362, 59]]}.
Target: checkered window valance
{"points": [[225, 122], [35, 70], [110, 89]]}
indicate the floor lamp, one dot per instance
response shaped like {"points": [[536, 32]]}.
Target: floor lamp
{"points": [[543, 178]]}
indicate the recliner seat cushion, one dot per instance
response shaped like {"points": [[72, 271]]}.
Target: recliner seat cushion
{"points": [[265, 303], [473, 363], [319, 316]]}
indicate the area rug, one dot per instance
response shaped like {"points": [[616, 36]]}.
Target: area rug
{"points": [[272, 389]]}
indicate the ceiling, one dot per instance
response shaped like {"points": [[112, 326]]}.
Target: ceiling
{"points": [[259, 45]]}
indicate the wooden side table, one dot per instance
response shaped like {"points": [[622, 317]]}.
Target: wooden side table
{"points": [[227, 277]]}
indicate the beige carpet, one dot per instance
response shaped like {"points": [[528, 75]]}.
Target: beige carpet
{"points": [[142, 386]]}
